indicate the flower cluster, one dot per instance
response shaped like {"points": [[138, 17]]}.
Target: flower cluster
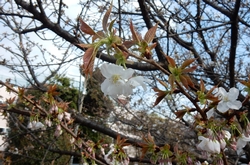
{"points": [[212, 143], [35, 125], [119, 81]]}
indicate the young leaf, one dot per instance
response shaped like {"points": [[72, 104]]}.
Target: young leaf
{"points": [[86, 28], [171, 61], [202, 86], [111, 25], [149, 36], [187, 63], [85, 45], [88, 61], [184, 81], [180, 113], [128, 44], [191, 69], [106, 17], [161, 94], [98, 34], [136, 37], [163, 83], [171, 80], [189, 81]]}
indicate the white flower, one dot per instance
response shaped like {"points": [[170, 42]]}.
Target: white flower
{"points": [[228, 99], [60, 116], [34, 125], [67, 116], [241, 143], [119, 81], [48, 122], [225, 135], [206, 144]]}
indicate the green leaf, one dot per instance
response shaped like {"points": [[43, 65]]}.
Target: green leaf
{"points": [[111, 25]]}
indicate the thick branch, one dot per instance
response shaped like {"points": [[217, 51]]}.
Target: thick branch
{"points": [[145, 15], [234, 40]]}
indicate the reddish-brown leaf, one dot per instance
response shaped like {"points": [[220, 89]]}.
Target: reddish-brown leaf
{"points": [[86, 28], [128, 44], [150, 138], [187, 63], [163, 83], [184, 81], [202, 86], [150, 144], [149, 36], [161, 95], [136, 37], [190, 82], [11, 100], [105, 18], [171, 80], [180, 113], [88, 61], [191, 69], [98, 34], [52, 90], [171, 61]]}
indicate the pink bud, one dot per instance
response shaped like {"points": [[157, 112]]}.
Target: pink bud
{"points": [[53, 109], [58, 131], [48, 122], [67, 116]]}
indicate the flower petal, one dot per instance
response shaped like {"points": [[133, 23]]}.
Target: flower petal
{"points": [[137, 81], [108, 70], [104, 86], [222, 107], [126, 74], [210, 113], [222, 91], [233, 94], [234, 104]]}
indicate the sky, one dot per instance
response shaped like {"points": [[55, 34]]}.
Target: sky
{"points": [[72, 71]]}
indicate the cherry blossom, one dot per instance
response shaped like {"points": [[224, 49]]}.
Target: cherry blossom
{"points": [[119, 81], [48, 122], [34, 125], [209, 145], [225, 135], [67, 116], [228, 99], [241, 143]]}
